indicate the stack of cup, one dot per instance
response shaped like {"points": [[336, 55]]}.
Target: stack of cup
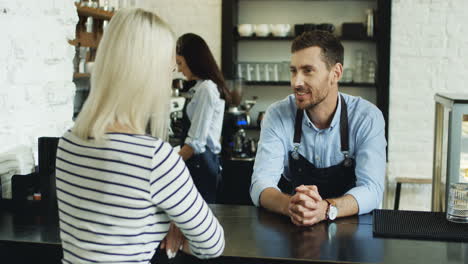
{"points": [[358, 75]]}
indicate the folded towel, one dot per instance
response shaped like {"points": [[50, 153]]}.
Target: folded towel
{"points": [[10, 165], [5, 180], [18, 160]]}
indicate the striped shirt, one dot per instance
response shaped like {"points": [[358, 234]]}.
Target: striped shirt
{"points": [[116, 199]]}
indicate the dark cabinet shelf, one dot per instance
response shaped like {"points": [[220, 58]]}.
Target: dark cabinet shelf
{"points": [[289, 38], [239, 38], [354, 84]]}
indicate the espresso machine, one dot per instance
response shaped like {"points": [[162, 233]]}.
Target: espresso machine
{"points": [[236, 143], [177, 103]]}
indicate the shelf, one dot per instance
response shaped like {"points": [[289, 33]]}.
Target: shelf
{"points": [[357, 39], [289, 38], [93, 12], [81, 75], [353, 84], [270, 37], [287, 83], [280, 83], [86, 39]]}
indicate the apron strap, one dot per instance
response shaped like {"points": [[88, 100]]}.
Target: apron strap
{"points": [[298, 126], [343, 127]]}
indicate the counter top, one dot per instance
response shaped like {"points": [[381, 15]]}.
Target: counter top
{"points": [[255, 235]]}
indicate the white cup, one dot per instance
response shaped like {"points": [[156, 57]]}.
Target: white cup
{"points": [[89, 66], [280, 30], [262, 30], [245, 30]]}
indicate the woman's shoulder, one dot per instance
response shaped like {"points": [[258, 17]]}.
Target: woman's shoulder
{"points": [[207, 88]]}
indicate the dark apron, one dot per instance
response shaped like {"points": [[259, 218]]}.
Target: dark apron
{"points": [[203, 167], [331, 182]]}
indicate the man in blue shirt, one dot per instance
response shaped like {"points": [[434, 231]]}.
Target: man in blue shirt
{"points": [[327, 146]]}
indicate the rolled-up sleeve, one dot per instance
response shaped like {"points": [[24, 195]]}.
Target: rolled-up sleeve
{"points": [[269, 161], [370, 163], [203, 110]]}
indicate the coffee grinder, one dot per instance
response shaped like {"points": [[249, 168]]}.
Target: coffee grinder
{"points": [[236, 144]]}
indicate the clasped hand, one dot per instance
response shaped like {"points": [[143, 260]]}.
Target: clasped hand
{"points": [[173, 242], [306, 207]]}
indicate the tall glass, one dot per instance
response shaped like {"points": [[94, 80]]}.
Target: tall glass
{"points": [[457, 207]]}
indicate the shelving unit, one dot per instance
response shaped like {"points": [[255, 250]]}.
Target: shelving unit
{"points": [[86, 39], [81, 75], [89, 40], [232, 42], [290, 38]]}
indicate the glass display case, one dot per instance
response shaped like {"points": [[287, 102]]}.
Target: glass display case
{"points": [[450, 146]]}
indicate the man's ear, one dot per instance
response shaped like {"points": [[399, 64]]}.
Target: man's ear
{"points": [[337, 72]]}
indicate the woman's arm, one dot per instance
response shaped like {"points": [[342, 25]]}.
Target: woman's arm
{"points": [[172, 189]]}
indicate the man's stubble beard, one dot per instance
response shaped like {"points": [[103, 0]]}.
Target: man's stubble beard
{"points": [[313, 105]]}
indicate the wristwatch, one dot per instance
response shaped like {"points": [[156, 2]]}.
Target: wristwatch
{"points": [[332, 210]]}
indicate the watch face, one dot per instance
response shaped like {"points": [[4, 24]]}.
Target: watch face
{"points": [[332, 212]]}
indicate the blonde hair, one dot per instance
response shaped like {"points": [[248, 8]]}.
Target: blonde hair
{"points": [[131, 78]]}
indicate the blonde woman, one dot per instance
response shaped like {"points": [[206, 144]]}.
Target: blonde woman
{"points": [[117, 188]]}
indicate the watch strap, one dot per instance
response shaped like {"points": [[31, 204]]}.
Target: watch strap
{"points": [[331, 202]]}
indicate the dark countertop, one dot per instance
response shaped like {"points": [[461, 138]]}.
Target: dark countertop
{"points": [[256, 236]]}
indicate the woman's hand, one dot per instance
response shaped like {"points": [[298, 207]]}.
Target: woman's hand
{"points": [[173, 242], [186, 152]]}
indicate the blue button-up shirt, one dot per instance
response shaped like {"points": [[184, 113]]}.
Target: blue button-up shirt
{"points": [[322, 148], [206, 113]]}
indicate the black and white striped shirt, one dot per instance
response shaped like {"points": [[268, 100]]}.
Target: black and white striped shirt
{"points": [[116, 199]]}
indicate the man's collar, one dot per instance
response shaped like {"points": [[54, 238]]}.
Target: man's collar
{"points": [[335, 120]]}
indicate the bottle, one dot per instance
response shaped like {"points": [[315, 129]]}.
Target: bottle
{"points": [[89, 24], [370, 22]]}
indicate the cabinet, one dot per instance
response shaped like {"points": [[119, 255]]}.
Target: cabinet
{"points": [[236, 49], [450, 146]]}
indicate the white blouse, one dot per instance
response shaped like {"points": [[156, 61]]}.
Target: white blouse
{"points": [[206, 113]]}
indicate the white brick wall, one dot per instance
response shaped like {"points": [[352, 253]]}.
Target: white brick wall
{"points": [[36, 88], [428, 55], [202, 17]]}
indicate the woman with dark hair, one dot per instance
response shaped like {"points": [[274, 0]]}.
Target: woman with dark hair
{"points": [[203, 113]]}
